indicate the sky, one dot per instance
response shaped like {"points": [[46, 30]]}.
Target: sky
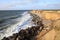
{"points": [[29, 4]]}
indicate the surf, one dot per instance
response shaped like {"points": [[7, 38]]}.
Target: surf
{"points": [[24, 22]]}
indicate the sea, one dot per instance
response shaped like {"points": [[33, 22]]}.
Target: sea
{"points": [[12, 21]]}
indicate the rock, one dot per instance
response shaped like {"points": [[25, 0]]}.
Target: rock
{"points": [[5, 38]]}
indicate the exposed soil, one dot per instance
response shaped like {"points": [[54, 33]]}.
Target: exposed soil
{"points": [[54, 17]]}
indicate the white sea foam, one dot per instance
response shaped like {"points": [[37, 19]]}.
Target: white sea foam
{"points": [[25, 22]]}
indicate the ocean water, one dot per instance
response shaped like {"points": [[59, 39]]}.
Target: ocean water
{"points": [[13, 21]]}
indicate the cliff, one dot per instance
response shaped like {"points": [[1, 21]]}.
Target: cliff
{"points": [[46, 14], [54, 17]]}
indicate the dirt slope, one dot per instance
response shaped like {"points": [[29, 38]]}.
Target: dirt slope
{"points": [[54, 17]]}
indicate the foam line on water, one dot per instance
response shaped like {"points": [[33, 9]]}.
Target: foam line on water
{"points": [[15, 28], [25, 22]]}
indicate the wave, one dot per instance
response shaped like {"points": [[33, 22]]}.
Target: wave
{"points": [[12, 17], [24, 22]]}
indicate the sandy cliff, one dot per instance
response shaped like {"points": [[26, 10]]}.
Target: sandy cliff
{"points": [[54, 17], [51, 15]]}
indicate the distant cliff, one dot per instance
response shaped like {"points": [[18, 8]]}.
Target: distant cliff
{"points": [[48, 14]]}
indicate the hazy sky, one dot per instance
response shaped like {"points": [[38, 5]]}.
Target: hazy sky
{"points": [[29, 4]]}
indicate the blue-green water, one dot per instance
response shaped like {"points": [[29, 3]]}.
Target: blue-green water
{"points": [[9, 17], [8, 13], [11, 21]]}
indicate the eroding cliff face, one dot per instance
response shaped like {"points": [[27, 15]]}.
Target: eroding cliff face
{"points": [[50, 15], [54, 23]]}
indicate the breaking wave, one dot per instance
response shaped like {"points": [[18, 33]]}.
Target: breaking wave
{"points": [[16, 24]]}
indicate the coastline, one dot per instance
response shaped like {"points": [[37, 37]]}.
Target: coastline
{"points": [[50, 20]]}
